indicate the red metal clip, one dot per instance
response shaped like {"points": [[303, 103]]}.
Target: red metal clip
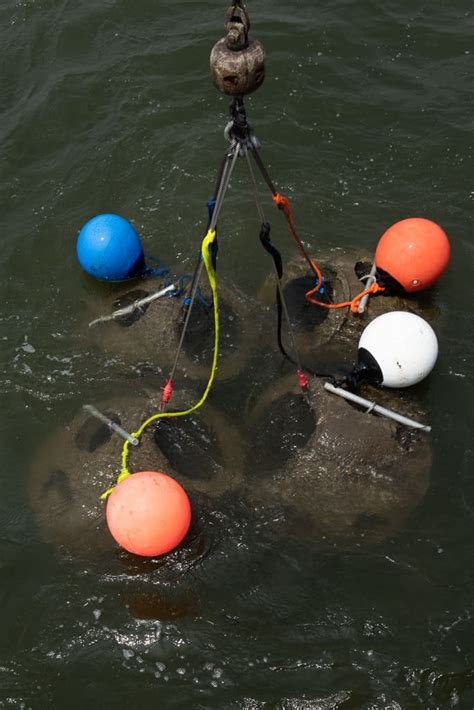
{"points": [[303, 380], [167, 392]]}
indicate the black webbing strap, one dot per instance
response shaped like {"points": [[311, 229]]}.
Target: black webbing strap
{"points": [[277, 260]]}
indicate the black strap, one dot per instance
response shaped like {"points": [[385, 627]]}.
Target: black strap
{"points": [[276, 256], [277, 260]]}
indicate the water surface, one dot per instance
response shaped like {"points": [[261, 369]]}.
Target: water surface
{"points": [[365, 118]]}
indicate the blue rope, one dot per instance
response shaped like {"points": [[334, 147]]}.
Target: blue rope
{"points": [[187, 300], [162, 272]]}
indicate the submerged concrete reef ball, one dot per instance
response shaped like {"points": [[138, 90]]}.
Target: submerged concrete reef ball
{"points": [[151, 334], [80, 461], [347, 475], [324, 336]]}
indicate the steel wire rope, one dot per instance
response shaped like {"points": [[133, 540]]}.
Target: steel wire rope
{"points": [[225, 175], [207, 260]]}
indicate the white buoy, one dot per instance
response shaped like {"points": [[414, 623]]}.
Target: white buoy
{"points": [[402, 345]]}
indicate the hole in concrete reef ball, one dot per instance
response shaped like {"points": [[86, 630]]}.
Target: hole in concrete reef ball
{"points": [[200, 333], [305, 315], [285, 427], [94, 434], [59, 481], [190, 447], [366, 521]]}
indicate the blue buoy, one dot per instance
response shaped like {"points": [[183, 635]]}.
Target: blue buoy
{"points": [[109, 249]]}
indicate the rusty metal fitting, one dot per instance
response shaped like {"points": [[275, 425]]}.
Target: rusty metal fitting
{"points": [[237, 24], [237, 61], [239, 128]]}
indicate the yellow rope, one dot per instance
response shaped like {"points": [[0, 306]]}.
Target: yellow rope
{"points": [[211, 274]]}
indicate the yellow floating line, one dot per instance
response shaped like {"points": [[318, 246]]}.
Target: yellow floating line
{"points": [[211, 274]]}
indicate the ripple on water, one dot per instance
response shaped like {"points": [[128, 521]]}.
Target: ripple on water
{"points": [[364, 118]]}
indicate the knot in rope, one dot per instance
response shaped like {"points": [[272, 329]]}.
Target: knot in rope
{"points": [[124, 473], [372, 290], [283, 203], [353, 304]]}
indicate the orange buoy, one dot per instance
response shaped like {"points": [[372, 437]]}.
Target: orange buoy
{"points": [[412, 254], [148, 513]]}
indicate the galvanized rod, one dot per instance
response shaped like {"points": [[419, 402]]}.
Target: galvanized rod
{"points": [[374, 407], [369, 280], [133, 306], [111, 424]]}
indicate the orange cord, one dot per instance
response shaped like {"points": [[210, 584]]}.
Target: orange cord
{"points": [[283, 203], [353, 305]]}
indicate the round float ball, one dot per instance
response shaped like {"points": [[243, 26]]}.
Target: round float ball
{"points": [[148, 513], [399, 348], [413, 254], [109, 249]]}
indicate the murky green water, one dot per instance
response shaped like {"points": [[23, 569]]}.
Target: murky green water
{"points": [[365, 118]]}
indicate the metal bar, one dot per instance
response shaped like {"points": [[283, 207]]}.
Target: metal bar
{"points": [[133, 306], [374, 407], [112, 425], [369, 280]]}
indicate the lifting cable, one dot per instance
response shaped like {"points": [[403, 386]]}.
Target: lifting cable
{"points": [[224, 180], [207, 261]]}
